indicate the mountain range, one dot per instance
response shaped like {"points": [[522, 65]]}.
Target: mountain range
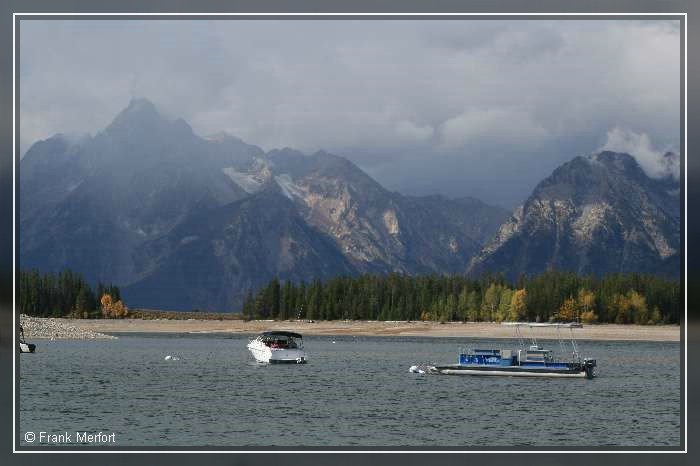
{"points": [[180, 221], [595, 214]]}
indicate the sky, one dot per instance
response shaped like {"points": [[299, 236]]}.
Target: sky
{"points": [[459, 107]]}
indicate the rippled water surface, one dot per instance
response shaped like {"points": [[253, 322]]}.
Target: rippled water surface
{"points": [[354, 391]]}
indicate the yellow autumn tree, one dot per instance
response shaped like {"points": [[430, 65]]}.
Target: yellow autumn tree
{"points": [[503, 312], [119, 310], [106, 305], [620, 308], [586, 300], [567, 311], [491, 300], [638, 305], [111, 309], [589, 317], [518, 305], [586, 305]]}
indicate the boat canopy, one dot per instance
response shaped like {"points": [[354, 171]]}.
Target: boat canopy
{"points": [[281, 334]]}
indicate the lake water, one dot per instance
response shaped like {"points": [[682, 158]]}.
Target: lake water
{"points": [[355, 391]]}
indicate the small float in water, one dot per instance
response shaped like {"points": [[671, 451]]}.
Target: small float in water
{"points": [[25, 347], [278, 347], [531, 361]]}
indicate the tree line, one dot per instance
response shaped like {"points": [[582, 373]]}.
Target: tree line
{"points": [[550, 296], [67, 294]]}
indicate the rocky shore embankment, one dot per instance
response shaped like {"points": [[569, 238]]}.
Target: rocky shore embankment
{"points": [[43, 327]]}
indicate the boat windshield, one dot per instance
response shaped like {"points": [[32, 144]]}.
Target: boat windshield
{"points": [[280, 342]]}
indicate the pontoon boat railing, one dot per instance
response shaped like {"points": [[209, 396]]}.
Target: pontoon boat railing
{"points": [[557, 325]]}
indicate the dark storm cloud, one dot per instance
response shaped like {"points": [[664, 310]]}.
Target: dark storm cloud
{"points": [[484, 108]]}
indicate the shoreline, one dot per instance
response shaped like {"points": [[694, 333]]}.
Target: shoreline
{"points": [[598, 332], [49, 328]]}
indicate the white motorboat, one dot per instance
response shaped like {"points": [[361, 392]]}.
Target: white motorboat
{"points": [[278, 347]]}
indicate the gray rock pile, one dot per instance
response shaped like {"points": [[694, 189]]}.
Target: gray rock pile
{"points": [[42, 327]]}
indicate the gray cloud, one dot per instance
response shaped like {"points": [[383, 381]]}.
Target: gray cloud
{"points": [[483, 108], [651, 159]]}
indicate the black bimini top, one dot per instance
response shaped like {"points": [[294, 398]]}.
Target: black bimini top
{"points": [[281, 334]]}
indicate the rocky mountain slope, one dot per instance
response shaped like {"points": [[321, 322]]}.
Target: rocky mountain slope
{"points": [[181, 221], [595, 214]]}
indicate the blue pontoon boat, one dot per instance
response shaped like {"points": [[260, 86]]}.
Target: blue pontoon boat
{"points": [[530, 361]]}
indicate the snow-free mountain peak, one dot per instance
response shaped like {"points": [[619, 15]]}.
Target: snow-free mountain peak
{"points": [[595, 214]]}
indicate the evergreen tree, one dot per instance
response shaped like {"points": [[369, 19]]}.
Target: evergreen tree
{"points": [[249, 306], [274, 298], [82, 303]]}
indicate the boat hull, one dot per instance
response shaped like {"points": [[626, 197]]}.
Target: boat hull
{"points": [[26, 347], [511, 371], [265, 354]]}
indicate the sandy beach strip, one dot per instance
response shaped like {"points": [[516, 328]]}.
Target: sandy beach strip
{"points": [[372, 328]]}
